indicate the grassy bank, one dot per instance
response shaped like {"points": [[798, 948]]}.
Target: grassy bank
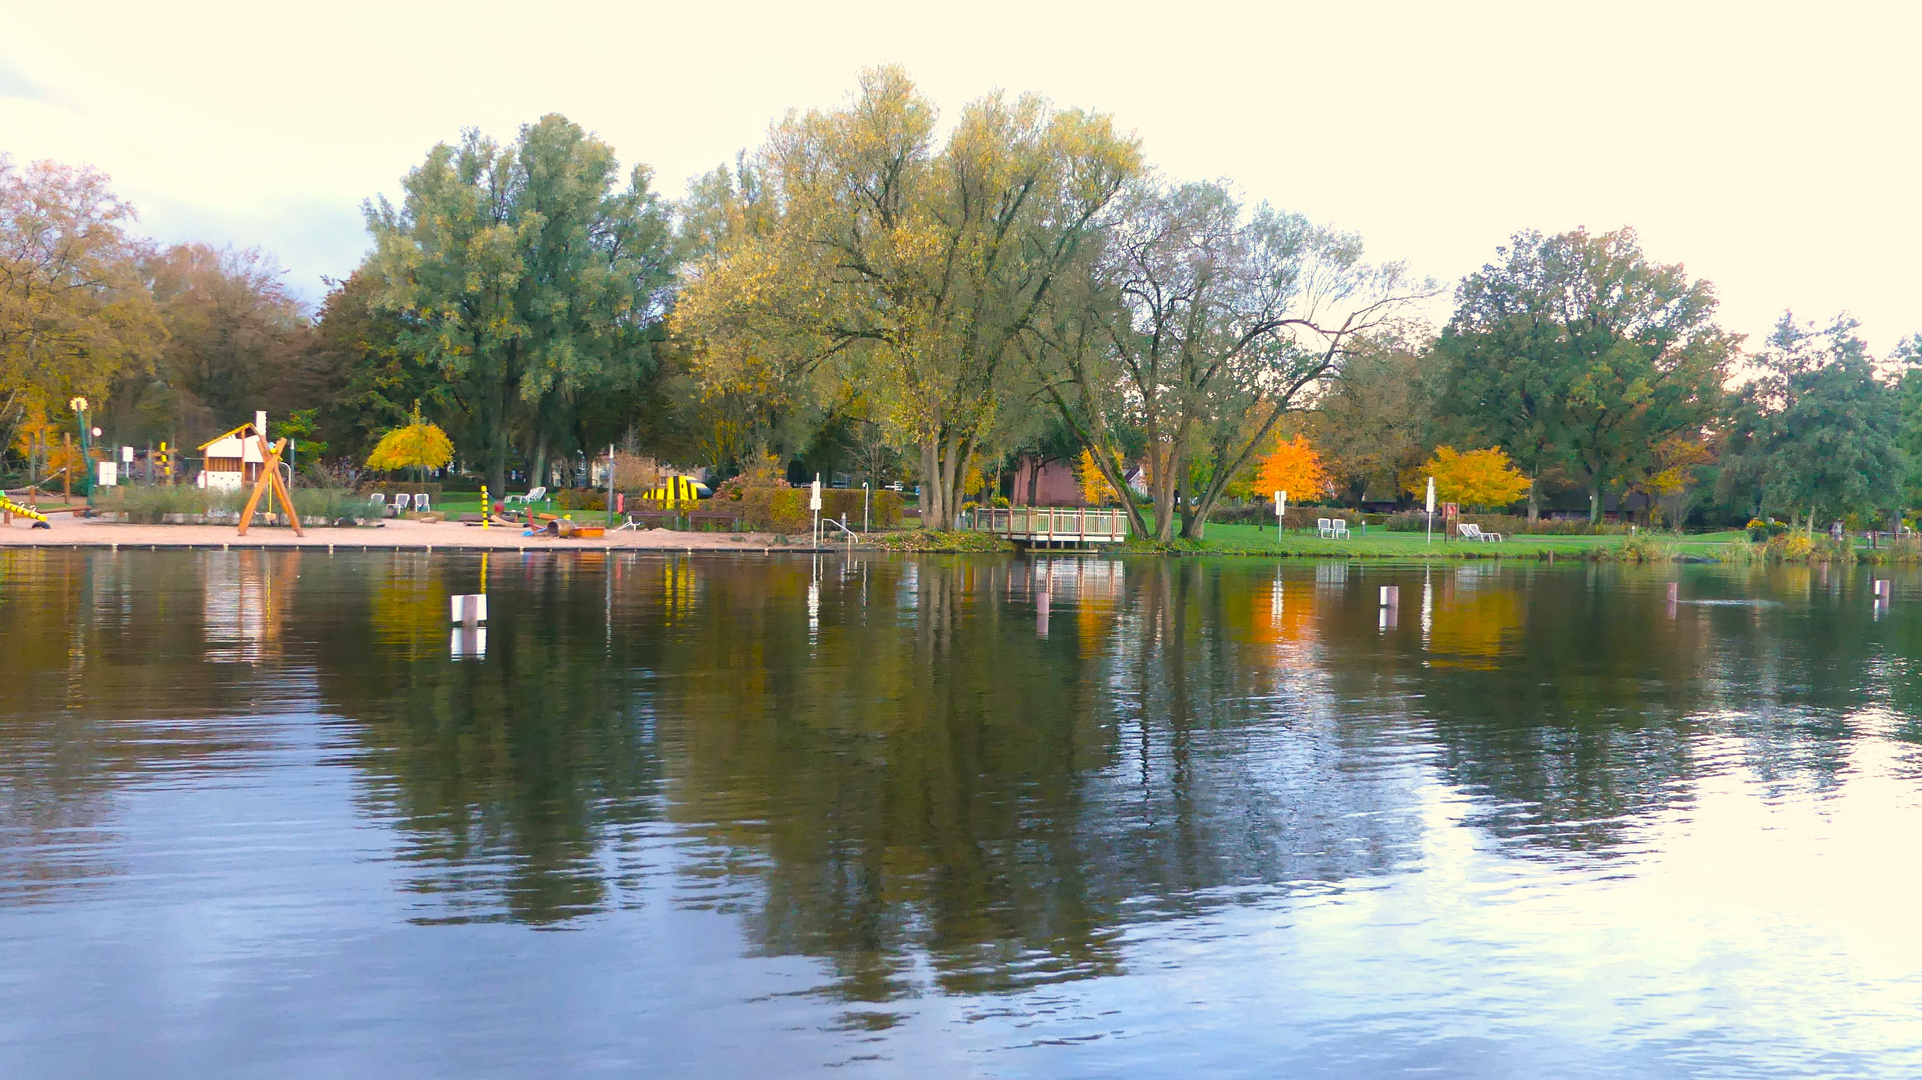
{"points": [[1728, 546]]}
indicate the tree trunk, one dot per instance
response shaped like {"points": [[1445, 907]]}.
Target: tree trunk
{"points": [[1034, 477], [1534, 499], [1594, 502], [496, 472]]}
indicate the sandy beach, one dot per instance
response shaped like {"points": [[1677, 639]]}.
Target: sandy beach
{"points": [[70, 531]]}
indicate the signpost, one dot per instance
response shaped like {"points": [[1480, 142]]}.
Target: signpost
{"points": [[1281, 514], [814, 504], [1431, 510]]}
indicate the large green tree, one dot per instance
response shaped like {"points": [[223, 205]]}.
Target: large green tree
{"points": [[1818, 432], [886, 268], [530, 276], [1578, 353]]}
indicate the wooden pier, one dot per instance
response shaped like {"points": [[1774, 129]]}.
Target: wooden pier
{"points": [[1051, 526]]}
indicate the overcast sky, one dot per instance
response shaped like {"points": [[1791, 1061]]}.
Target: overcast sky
{"points": [[1772, 150]]}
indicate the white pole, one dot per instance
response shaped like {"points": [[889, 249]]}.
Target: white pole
{"points": [[1431, 510], [1281, 514], [814, 504], [865, 526]]}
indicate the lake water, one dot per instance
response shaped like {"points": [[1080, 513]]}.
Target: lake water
{"points": [[712, 816]]}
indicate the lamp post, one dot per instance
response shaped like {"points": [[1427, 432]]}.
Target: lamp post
{"points": [[79, 407]]}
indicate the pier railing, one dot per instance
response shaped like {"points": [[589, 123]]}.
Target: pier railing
{"points": [[1050, 525]]}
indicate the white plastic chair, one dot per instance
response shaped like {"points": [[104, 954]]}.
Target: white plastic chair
{"points": [[420, 503], [402, 501]]}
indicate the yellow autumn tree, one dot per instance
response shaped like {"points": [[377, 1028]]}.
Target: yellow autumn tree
{"points": [[417, 445], [1477, 478], [1094, 486], [1293, 467]]}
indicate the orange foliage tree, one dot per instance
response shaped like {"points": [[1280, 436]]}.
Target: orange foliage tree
{"points": [[1293, 467], [1094, 486], [1477, 478]]}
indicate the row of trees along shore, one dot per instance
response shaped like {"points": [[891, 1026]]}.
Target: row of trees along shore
{"points": [[866, 295]]}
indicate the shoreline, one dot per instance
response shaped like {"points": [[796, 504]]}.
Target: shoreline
{"points": [[397, 535]]}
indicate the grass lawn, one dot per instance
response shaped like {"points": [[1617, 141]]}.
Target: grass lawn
{"points": [[1380, 543]]}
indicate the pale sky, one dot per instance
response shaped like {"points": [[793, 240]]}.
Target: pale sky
{"points": [[1771, 149]]}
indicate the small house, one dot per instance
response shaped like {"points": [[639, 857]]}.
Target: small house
{"points": [[232, 461]]}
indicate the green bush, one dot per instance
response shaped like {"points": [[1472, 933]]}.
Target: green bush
{"points": [[322, 505], [1642, 548], [785, 509], [148, 505], [939, 541]]}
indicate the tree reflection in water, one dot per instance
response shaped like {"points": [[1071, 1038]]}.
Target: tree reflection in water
{"points": [[918, 787]]}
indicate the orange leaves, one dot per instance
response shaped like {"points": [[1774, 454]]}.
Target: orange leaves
{"points": [[1094, 486], [1295, 468]]}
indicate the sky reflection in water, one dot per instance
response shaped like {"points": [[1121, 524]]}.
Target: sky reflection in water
{"points": [[711, 816]]}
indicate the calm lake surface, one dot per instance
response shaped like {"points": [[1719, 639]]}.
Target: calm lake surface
{"points": [[712, 816]]}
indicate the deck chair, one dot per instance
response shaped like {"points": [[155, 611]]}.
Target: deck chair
{"points": [[402, 501], [420, 503]]}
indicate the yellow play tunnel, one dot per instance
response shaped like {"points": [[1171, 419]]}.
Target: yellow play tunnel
{"points": [[677, 493]]}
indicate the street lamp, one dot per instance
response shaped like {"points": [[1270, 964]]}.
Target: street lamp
{"points": [[79, 407]]}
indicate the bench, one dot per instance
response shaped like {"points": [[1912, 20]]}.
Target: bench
{"points": [[1471, 531]]}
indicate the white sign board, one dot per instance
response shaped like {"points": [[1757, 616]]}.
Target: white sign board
{"points": [[109, 473], [814, 500], [470, 608], [1431, 494]]}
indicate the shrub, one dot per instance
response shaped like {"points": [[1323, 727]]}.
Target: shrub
{"points": [[937, 540], [1642, 548], [148, 505], [581, 499], [785, 509], [328, 504]]}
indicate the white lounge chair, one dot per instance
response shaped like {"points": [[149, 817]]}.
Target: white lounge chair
{"points": [[402, 501], [378, 498], [533, 495], [1332, 528], [420, 503], [1471, 531]]}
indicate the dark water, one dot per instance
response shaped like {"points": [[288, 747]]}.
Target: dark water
{"points": [[713, 817]]}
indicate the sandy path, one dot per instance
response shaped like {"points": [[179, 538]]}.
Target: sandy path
{"points": [[69, 531]]}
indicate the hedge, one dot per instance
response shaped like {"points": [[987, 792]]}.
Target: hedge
{"points": [[785, 510]]}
